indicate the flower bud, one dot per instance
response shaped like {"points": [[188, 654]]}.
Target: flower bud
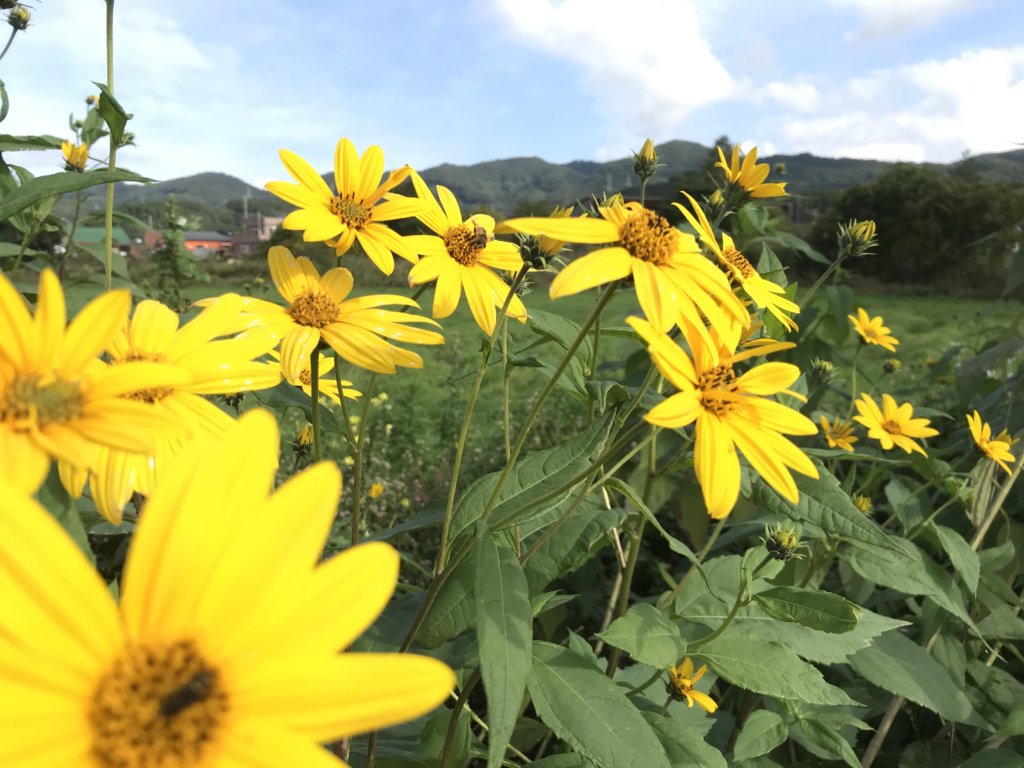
{"points": [[305, 436], [863, 504], [891, 365], [782, 541], [821, 371], [19, 17], [645, 162], [857, 238]]}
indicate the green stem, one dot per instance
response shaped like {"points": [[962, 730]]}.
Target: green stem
{"points": [[24, 243], [671, 596], [467, 418], [350, 436], [592, 372], [435, 587], [357, 470], [506, 392], [14, 31], [645, 684], [806, 298], [742, 599], [554, 528], [853, 380], [112, 160], [314, 404], [449, 737], [71, 236], [531, 417]]}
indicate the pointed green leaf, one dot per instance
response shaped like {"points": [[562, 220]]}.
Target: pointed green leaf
{"points": [[994, 758], [59, 504], [647, 635], [589, 712], [504, 629], [570, 546], [34, 190], [10, 143], [763, 732], [454, 608], [1013, 725], [684, 745], [811, 607], [897, 664], [112, 112], [827, 738], [963, 558], [636, 499]]}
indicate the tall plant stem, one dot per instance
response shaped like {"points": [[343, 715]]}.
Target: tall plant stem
{"points": [[112, 160], [449, 737], [671, 596], [531, 416], [357, 469], [14, 31], [71, 236], [506, 410], [467, 418], [806, 298], [314, 403]]}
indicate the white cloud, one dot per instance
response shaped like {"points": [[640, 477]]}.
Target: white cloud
{"points": [[895, 17], [645, 63], [930, 110], [803, 97]]}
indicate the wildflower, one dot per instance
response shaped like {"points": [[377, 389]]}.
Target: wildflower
{"points": [[730, 412], [305, 436], [782, 542], [763, 293], [683, 679], [838, 434], [461, 256], [892, 425], [348, 461], [821, 371], [857, 238], [327, 385], [376, 491], [196, 667], [863, 504], [18, 17], [318, 309], [538, 251], [671, 277], [872, 331], [387, 429], [645, 162], [75, 156], [892, 365], [353, 214], [404, 503], [56, 400], [383, 397], [92, 100], [995, 449], [749, 176]]}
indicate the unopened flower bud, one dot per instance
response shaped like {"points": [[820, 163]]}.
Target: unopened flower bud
{"points": [[645, 162], [19, 17], [782, 542], [821, 371], [863, 504], [305, 436], [891, 365], [92, 100], [857, 238]]}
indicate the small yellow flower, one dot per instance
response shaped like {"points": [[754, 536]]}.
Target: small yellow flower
{"points": [[75, 156], [683, 679], [863, 504], [892, 425], [305, 436], [404, 503], [376, 490], [645, 162], [872, 331], [383, 397], [92, 100], [749, 176], [348, 461], [838, 434], [996, 449]]}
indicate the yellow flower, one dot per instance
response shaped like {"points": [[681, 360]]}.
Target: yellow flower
{"points": [[863, 504], [404, 503], [645, 162], [872, 331], [730, 412], [460, 256], [764, 293], [327, 385], [305, 436], [18, 17], [838, 434], [356, 212], [891, 424], [671, 277], [749, 176], [376, 491], [75, 156], [196, 667], [996, 449], [683, 679], [56, 398], [318, 309]]}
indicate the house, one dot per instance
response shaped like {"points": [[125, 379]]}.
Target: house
{"points": [[261, 226], [204, 244]]}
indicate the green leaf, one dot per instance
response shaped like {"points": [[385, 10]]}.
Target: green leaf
{"points": [[617, 484], [812, 608], [827, 738], [63, 508], [560, 329], [769, 669], [684, 745], [824, 503], [899, 665], [994, 758], [963, 558], [112, 112], [763, 732], [531, 479], [588, 711], [454, 608], [1013, 725], [435, 733], [568, 760], [9, 143], [647, 635], [570, 546], [917, 574], [1003, 623], [5, 103], [504, 629], [34, 190]]}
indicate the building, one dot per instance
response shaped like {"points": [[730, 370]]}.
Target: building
{"points": [[261, 226], [203, 244]]}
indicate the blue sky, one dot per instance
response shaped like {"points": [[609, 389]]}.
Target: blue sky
{"points": [[221, 86]]}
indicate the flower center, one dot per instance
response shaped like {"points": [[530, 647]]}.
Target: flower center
{"points": [[155, 394], [892, 427], [314, 309], [714, 382], [650, 237], [738, 262], [29, 400], [157, 705], [349, 212], [465, 244], [306, 377]]}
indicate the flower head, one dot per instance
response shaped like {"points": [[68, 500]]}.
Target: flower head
{"points": [[299, 373], [319, 309], [57, 399], [750, 176], [18, 17], [872, 331], [783, 542], [681, 681], [194, 666], [892, 425], [376, 491], [863, 504], [995, 449], [672, 278], [75, 156], [358, 209], [645, 162], [838, 433], [461, 256], [857, 238], [730, 411]]}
